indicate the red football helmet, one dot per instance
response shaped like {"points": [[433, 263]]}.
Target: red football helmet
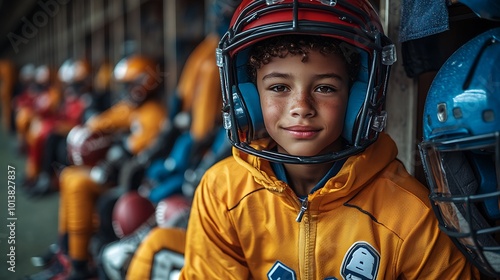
{"points": [[173, 211], [86, 147], [130, 212], [353, 22]]}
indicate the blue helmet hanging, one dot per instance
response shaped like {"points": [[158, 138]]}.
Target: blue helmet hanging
{"points": [[461, 149]]}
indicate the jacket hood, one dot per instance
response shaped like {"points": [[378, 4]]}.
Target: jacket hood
{"points": [[355, 173]]}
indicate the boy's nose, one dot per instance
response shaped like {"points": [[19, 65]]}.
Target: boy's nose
{"points": [[302, 105]]}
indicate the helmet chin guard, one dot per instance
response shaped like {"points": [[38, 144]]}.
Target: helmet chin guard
{"points": [[354, 22]]}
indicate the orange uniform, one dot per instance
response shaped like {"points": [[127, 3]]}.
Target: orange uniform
{"points": [[372, 220], [79, 192]]}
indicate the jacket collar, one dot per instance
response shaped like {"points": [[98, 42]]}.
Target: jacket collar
{"points": [[354, 174]]}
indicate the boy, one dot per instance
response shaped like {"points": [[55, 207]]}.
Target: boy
{"points": [[314, 190]]}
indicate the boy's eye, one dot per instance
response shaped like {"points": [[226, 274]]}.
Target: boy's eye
{"points": [[278, 88], [326, 89]]}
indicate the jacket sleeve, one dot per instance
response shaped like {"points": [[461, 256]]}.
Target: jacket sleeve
{"points": [[213, 250], [146, 125], [116, 118], [428, 253]]}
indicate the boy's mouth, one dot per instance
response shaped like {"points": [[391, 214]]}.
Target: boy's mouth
{"points": [[303, 132]]}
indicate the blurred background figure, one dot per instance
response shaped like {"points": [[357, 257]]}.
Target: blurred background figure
{"points": [[22, 103], [101, 95], [170, 181], [36, 98], [39, 120], [194, 122], [49, 151], [134, 123]]}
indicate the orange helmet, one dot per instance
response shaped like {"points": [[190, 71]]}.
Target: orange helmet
{"points": [[139, 76]]}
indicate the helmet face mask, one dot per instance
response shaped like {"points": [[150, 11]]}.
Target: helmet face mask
{"points": [[464, 176], [352, 22], [460, 150]]}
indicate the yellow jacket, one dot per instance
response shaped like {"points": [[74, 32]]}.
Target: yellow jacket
{"points": [[371, 221]]}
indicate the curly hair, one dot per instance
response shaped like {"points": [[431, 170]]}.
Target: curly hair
{"points": [[280, 46]]}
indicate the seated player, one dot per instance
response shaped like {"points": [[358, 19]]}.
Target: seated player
{"points": [[22, 103], [197, 141], [47, 151], [40, 99], [139, 115]]}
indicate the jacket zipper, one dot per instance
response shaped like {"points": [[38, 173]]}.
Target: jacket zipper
{"points": [[303, 209], [305, 260]]}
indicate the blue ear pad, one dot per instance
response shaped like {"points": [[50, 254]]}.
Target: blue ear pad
{"points": [[357, 96], [251, 120], [356, 99]]}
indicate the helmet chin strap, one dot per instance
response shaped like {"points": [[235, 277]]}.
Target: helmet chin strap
{"points": [[292, 159]]}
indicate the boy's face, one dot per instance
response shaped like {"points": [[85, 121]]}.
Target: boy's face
{"points": [[304, 103]]}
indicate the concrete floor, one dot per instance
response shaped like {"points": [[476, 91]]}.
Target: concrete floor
{"points": [[36, 224]]}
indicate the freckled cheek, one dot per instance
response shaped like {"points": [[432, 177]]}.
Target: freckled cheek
{"points": [[271, 111], [335, 111], [339, 109]]}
